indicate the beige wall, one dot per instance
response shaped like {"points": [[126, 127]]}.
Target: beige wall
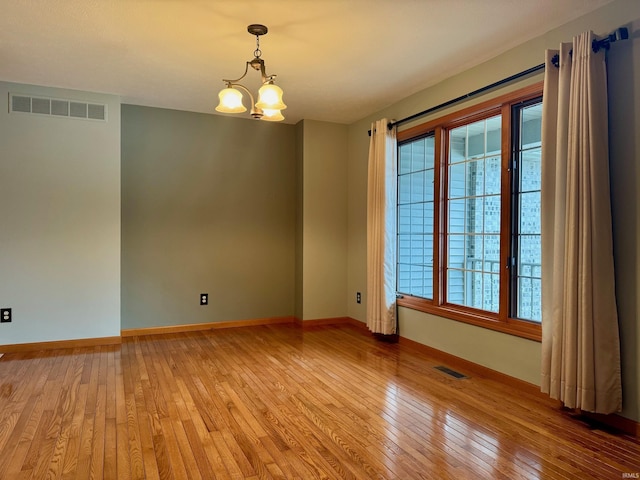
{"points": [[624, 141], [322, 220], [512, 355], [59, 220], [208, 206]]}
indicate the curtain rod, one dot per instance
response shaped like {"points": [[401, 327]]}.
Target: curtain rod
{"points": [[618, 34], [621, 33], [511, 78]]}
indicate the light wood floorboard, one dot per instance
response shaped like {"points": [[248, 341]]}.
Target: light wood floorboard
{"points": [[278, 401]]}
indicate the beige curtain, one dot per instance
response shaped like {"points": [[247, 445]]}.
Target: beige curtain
{"points": [[580, 340], [381, 229]]}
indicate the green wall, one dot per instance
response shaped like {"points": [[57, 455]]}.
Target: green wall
{"points": [[59, 220], [299, 307], [321, 237], [505, 353], [208, 206]]}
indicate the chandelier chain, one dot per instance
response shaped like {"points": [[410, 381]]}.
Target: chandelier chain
{"points": [[257, 51]]}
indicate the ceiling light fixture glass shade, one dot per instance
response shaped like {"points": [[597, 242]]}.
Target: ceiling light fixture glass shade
{"points": [[269, 104], [272, 115], [230, 101], [270, 97]]}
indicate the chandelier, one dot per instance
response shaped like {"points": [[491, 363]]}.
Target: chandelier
{"points": [[269, 105]]}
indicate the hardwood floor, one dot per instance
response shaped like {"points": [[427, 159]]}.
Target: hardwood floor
{"points": [[281, 402]]}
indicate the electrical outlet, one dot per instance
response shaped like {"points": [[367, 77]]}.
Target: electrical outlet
{"points": [[204, 299], [358, 297], [5, 315]]}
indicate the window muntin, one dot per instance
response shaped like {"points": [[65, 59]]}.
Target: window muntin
{"points": [[495, 279]]}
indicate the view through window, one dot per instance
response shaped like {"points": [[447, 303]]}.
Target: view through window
{"points": [[469, 215]]}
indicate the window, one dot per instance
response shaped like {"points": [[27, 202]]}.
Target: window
{"points": [[416, 171], [469, 215], [473, 214], [526, 232]]}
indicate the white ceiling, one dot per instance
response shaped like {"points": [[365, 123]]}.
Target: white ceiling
{"points": [[336, 60]]}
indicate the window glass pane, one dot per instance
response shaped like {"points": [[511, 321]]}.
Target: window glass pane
{"points": [[491, 253], [491, 291], [492, 176], [417, 186], [404, 219], [476, 177], [529, 292], [418, 161], [456, 216], [456, 251], [476, 140], [429, 154], [530, 168], [492, 214], [404, 189], [531, 126], [529, 212], [457, 180], [473, 214], [455, 286], [404, 249], [404, 158], [494, 135], [404, 276], [417, 249], [527, 295], [415, 217], [458, 145], [428, 218]]}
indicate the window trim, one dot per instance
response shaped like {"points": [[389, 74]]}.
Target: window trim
{"points": [[439, 127]]}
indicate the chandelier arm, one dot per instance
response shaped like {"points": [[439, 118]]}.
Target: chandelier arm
{"points": [[241, 87], [246, 69], [255, 111], [263, 72], [266, 78]]}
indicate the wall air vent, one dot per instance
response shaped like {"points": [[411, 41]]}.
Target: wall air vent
{"points": [[57, 107]]}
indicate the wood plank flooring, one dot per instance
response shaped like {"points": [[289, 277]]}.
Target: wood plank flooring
{"points": [[282, 402]]}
